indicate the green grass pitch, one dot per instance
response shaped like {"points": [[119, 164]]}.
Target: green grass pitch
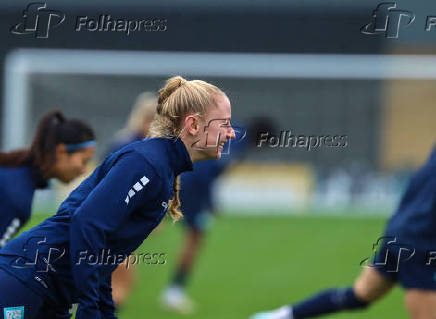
{"points": [[250, 264]]}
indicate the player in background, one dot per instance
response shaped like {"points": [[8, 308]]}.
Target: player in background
{"points": [[407, 257], [60, 149], [197, 197], [136, 129], [138, 122], [198, 206], [113, 210]]}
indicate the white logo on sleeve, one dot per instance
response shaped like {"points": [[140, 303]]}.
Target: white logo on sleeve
{"points": [[138, 186], [10, 231]]}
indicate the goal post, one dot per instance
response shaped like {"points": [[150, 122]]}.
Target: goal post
{"points": [[27, 69], [21, 63]]}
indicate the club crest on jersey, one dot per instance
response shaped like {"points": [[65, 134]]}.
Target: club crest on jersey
{"points": [[13, 312], [165, 205], [138, 186]]}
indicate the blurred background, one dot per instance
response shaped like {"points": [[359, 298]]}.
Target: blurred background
{"points": [[299, 66]]}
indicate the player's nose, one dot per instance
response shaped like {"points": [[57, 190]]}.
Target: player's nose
{"points": [[82, 169], [231, 134]]}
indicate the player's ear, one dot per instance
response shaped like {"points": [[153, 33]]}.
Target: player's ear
{"points": [[192, 125], [61, 148]]}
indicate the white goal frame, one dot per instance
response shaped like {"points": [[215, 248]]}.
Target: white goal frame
{"points": [[21, 63]]}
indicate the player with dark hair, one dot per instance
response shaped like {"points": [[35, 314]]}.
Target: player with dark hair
{"points": [[61, 148], [70, 256], [407, 257]]}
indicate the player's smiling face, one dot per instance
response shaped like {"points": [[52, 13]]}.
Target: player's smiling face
{"points": [[217, 129]]}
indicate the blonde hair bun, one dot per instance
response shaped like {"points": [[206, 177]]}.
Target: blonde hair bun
{"points": [[172, 84]]}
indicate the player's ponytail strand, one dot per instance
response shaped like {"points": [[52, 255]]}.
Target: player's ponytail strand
{"points": [[174, 204], [42, 150], [42, 141]]}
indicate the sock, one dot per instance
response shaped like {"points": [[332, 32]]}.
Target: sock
{"points": [[328, 301], [180, 278]]}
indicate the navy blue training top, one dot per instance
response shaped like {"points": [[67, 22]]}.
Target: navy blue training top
{"points": [[196, 186], [17, 187], [414, 221], [108, 214]]}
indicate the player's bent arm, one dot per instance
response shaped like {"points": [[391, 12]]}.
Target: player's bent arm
{"points": [[105, 208]]}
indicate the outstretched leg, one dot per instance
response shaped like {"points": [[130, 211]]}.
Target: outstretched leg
{"points": [[368, 287]]}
